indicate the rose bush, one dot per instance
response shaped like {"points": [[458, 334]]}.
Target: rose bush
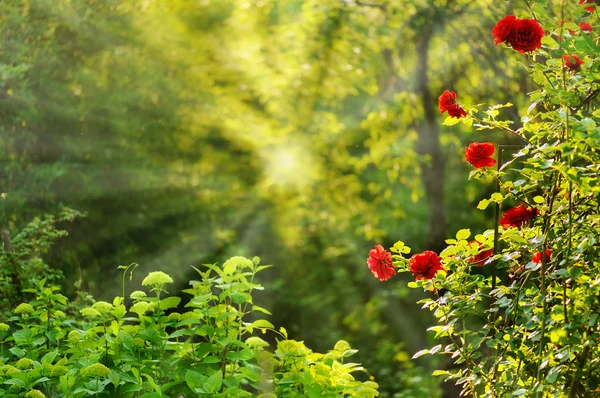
{"points": [[527, 323]]}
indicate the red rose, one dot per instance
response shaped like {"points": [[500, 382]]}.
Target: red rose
{"points": [[591, 8], [425, 265], [478, 154], [380, 263], [503, 29], [572, 62], [526, 35], [585, 27], [447, 102], [448, 98], [456, 111], [517, 216], [482, 254], [537, 257]]}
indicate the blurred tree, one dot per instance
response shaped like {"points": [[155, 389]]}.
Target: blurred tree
{"points": [[302, 131]]}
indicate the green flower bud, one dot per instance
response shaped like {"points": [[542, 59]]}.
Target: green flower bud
{"points": [[23, 308], [90, 312], [24, 363], [96, 370], [59, 370], [189, 315], [140, 307], [4, 327], [237, 262], [59, 314], [157, 279], [137, 294], [74, 336], [11, 370], [35, 394], [103, 307], [174, 316]]}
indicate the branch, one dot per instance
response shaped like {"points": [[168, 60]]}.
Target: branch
{"points": [[382, 7]]}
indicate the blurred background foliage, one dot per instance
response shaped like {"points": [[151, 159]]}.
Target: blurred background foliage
{"points": [[301, 131]]}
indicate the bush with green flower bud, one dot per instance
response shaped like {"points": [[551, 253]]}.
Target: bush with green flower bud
{"points": [[24, 308]]}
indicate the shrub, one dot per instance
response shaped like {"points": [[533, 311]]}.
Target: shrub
{"points": [[146, 349], [518, 307]]}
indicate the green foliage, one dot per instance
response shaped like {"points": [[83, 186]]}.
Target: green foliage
{"points": [[147, 349], [21, 259], [189, 130], [531, 328]]}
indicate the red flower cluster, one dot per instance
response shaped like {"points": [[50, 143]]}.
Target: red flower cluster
{"points": [[524, 35], [572, 62], [590, 8], [585, 27], [478, 154], [447, 102], [482, 255], [518, 216], [425, 265], [380, 263], [537, 257]]}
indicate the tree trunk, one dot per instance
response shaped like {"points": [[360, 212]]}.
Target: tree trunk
{"points": [[428, 145]]}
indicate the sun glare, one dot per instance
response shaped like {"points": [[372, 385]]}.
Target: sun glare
{"points": [[289, 166]]}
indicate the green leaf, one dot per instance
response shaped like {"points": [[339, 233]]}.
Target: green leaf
{"points": [[194, 379], [49, 357], [435, 349], [463, 234], [283, 332], [539, 199], [214, 382], [261, 309], [262, 323], [420, 353], [169, 302], [549, 42], [451, 121], [483, 204], [497, 197]]}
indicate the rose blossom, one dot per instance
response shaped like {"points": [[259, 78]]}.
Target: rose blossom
{"points": [[503, 29], [380, 263], [526, 35], [447, 102], [482, 255], [537, 257], [572, 62], [590, 8], [425, 265], [478, 154], [585, 27], [517, 216]]}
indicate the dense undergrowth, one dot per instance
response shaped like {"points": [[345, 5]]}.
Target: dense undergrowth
{"points": [[142, 347]]}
